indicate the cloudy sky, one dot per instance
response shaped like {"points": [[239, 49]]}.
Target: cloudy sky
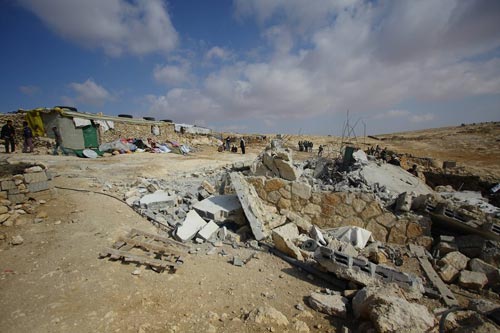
{"points": [[260, 66]]}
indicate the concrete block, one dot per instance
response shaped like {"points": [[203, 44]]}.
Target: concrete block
{"points": [[208, 230], [190, 227], [8, 185], [39, 186], [158, 199], [35, 177], [220, 208]]}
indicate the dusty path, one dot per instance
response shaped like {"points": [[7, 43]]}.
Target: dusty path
{"points": [[54, 281]]}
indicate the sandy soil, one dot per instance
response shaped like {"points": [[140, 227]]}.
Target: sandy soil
{"points": [[55, 282]]}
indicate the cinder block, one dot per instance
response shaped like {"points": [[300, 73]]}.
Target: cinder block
{"points": [[8, 184], [35, 177], [17, 198], [37, 187], [208, 230], [190, 227]]}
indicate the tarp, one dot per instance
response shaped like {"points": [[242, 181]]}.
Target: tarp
{"points": [[106, 125], [357, 236], [80, 122], [35, 122]]}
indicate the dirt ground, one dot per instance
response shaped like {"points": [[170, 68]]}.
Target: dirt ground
{"points": [[55, 281]]}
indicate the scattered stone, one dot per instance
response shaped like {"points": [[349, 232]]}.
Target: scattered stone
{"points": [[238, 262], [300, 326], [299, 307], [448, 273], [136, 272], [334, 305], [472, 280], [17, 240], [3, 209], [4, 217], [455, 259], [268, 315], [493, 273], [483, 306]]}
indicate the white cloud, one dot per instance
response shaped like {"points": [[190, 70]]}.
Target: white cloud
{"points": [[217, 52], [29, 90], [173, 75], [183, 105], [420, 118], [90, 92], [330, 56], [117, 26]]}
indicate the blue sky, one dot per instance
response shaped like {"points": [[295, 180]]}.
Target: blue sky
{"points": [[257, 66]]}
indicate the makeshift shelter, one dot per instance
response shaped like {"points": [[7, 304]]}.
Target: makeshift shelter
{"points": [[79, 130]]}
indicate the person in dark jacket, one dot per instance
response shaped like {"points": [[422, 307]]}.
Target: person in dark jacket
{"points": [[9, 136], [242, 146], [28, 138]]}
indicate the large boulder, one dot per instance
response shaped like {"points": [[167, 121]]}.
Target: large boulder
{"points": [[389, 311]]}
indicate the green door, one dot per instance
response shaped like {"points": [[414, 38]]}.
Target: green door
{"points": [[90, 137]]}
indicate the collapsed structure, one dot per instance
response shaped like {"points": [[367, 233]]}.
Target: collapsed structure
{"points": [[359, 224]]}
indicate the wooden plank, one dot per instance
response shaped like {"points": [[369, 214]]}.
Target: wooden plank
{"points": [[443, 289], [158, 238], [128, 257], [149, 246]]}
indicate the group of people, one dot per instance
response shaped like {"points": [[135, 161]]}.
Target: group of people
{"points": [[227, 146], [8, 134], [306, 146]]}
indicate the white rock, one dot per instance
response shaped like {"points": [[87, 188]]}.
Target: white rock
{"points": [[17, 240], [190, 227]]}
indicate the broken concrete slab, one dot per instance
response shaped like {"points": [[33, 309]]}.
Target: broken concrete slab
{"points": [[252, 205], [393, 178], [221, 208], [365, 273], [190, 227], [158, 199], [334, 305], [283, 238], [208, 230]]}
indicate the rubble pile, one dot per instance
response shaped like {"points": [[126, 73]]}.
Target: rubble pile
{"points": [[22, 193], [358, 234]]}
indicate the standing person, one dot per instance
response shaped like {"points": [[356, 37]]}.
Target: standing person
{"points": [[228, 143], [320, 150], [28, 138], [242, 145], [9, 136], [58, 138]]}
